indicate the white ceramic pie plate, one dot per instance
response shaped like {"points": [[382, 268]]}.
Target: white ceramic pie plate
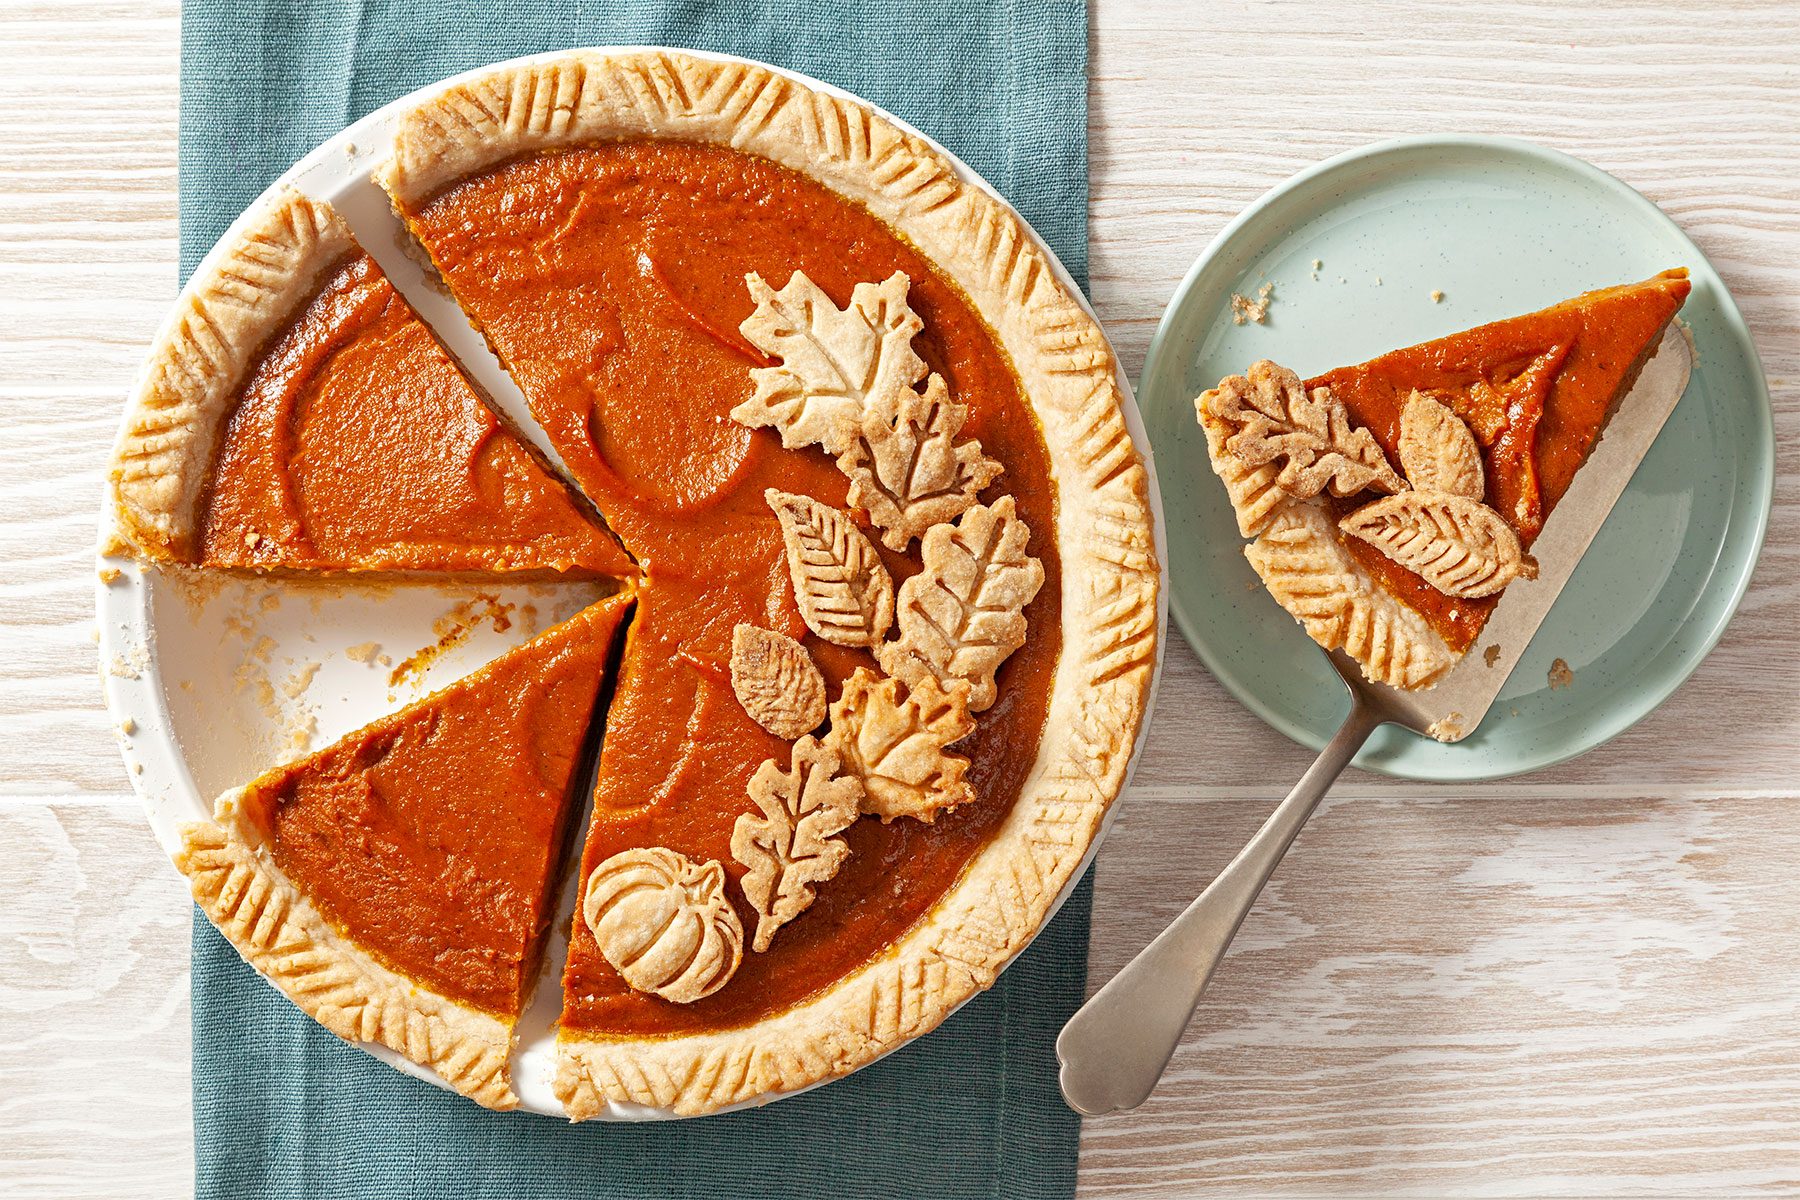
{"points": [[213, 680]]}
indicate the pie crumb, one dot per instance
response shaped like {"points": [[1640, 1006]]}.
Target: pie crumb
{"points": [[127, 727], [300, 681], [363, 652], [1245, 309], [1560, 674], [1491, 655], [137, 768], [1437, 295], [110, 575]]}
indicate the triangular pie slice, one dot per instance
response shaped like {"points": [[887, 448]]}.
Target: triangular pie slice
{"points": [[298, 416], [397, 885], [1392, 502]]}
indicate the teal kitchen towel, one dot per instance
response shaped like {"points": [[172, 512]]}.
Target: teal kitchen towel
{"points": [[282, 1108]]}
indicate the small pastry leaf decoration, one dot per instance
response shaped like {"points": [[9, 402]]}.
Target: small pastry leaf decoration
{"points": [[832, 360], [664, 922], [776, 681], [893, 740], [907, 469], [965, 611], [1304, 562], [1275, 421], [794, 845], [844, 592], [1437, 450], [1459, 546]]}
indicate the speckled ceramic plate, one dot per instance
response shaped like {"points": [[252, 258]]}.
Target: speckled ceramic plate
{"points": [[1498, 227]]}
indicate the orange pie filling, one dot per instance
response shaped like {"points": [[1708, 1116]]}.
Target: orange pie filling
{"points": [[634, 374], [432, 838], [1536, 391], [357, 444]]}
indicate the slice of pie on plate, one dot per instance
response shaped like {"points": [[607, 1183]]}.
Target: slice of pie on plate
{"points": [[397, 884], [1391, 503], [298, 416], [798, 362]]}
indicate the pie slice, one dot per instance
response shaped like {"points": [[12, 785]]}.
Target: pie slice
{"points": [[397, 884], [300, 417], [1391, 503]]}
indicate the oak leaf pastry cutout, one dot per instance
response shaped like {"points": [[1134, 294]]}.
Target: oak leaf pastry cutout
{"points": [[907, 470], [1437, 450], [793, 846], [776, 681], [832, 360], [844, 593], [894, 738], [664, 922], [964, 613], [1459, 546], [1267, 419]]}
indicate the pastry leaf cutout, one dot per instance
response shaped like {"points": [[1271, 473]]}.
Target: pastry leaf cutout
{"points": [[832, 360], [776, 681], [894, 739], [664, 922], [964, 612], [907, 469], [1459, 546], [1437, 450], [1311, 572], [844, 592], [793, 846], [1273, 420]]}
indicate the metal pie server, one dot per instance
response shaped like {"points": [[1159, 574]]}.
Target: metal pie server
{"points": [[1115, 1048]]}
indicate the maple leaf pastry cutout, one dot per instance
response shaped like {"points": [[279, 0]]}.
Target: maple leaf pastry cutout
{"points": [[794, 845], [964, 612], [907, 470], [832, 360], [844, 592], [893, 739]]}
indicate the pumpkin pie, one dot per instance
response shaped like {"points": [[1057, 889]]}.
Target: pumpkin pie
{"points": [[897, 614], [397, 885], [887, 537], [1392, 503], [298, 416]]}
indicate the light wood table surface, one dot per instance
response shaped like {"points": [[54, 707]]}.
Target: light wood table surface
{"points": [[1586, 981]]}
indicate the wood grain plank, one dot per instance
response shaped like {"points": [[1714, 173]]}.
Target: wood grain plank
{"points": [[1438, 993], [94, 1091]]}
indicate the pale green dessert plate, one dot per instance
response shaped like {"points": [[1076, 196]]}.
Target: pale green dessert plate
{"points": [[1498, 227]]}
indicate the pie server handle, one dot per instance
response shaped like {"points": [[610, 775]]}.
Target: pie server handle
{"points": [[1114, 1049]]}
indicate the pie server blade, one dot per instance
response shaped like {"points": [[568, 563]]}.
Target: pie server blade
{"points": [[1114, 1049], [1452, 710]]}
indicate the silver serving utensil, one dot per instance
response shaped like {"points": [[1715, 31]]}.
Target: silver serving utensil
{"points": [[1115, 1048]]}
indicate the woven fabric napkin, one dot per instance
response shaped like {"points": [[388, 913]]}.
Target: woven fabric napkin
{"points": [[281, 1108]]}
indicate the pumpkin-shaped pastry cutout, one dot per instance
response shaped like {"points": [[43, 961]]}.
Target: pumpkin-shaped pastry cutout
{"points": [[663, 921]]}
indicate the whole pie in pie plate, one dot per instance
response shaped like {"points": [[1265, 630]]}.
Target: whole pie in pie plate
{"points": [[663, 420]]}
